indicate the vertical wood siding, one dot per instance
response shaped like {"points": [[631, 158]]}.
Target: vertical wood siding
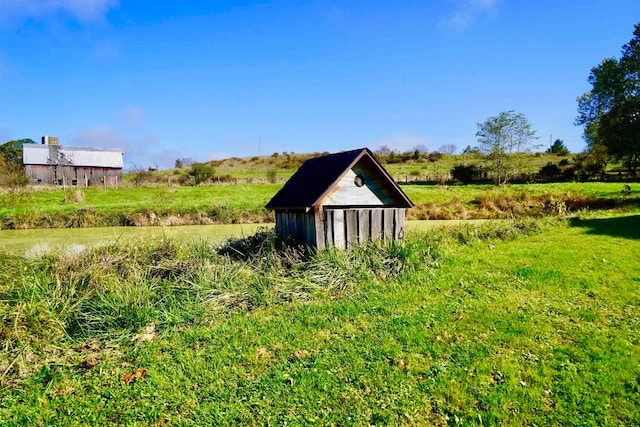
{"points": [[341, 228], [296, 225], [347, 227], [72, 175]]}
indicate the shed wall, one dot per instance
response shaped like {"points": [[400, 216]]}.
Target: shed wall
{"points": [[340, 228], [344, 228], [296, 225]]}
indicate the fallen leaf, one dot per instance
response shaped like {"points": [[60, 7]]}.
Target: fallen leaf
{"points": [[90, 363], [132, 376]]}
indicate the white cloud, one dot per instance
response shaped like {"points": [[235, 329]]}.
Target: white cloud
{"points": [[80, 10], [468, 12]]}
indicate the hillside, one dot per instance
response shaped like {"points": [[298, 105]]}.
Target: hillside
{"points": [[278, 167]]}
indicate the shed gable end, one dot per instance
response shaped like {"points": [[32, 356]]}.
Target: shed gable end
{"points": [[347, 193]]}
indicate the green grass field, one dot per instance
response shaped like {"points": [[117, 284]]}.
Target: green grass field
{"points": [[529, 322], [244, 203]]}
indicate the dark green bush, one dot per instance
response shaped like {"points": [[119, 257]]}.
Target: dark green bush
{"points": [[466, 174]]}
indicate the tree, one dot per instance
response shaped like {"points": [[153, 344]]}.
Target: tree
{"points": [[11, 167], [610, 111], [12, 150], [448, 148], [470, 150], [501, 136], [421, 148], [183, 162], [558, 147], [200, 173], [384, 150]]}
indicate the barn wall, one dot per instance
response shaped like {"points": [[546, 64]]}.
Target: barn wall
{"points": [[40, 174], [66, 173], [55, 174], [99, 175]]}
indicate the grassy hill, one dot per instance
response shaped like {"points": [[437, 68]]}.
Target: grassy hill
{"points": [[402, 167]]}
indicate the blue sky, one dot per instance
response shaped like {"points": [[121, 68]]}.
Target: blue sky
{"points": [[215, 79]]}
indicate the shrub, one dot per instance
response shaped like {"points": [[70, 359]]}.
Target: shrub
{"points": [[74, 196], [140, 176], [466, 174], [550, 172], [272, 176], [200, 173], [435, 156]]}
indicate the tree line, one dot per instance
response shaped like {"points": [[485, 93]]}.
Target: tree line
{"points": [[610, 111]]}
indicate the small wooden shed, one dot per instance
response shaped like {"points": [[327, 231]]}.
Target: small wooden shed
{"points": [[340, 200]]}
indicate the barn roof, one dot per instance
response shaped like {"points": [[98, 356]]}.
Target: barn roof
{"points": [[318, 176], [42, 154]]}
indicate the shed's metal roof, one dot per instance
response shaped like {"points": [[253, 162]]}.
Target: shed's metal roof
{"points": [[42, 154], [317, 177]]}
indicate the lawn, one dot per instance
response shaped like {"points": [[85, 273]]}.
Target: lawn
{"points": [[531, 322]]}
